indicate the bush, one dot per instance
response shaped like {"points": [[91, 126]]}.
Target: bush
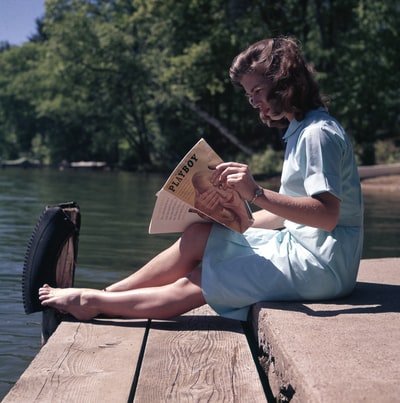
{"points": [[386, 152], [268, 163]]}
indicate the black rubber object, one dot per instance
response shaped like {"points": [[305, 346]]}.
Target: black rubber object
{"points": [[50, 234]]}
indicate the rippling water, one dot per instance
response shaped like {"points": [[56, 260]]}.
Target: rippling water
{"points": [[116, 208], [382, 224]]}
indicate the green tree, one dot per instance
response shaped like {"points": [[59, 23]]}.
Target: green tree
{"points": [[99, 82], [18, 119], [189, 53], [137, 82], [366, 85]]}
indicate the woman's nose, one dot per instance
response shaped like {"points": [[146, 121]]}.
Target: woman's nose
{"points": [[255, 101]]}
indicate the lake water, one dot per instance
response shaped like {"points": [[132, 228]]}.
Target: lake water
{"points": [[116, 208]]}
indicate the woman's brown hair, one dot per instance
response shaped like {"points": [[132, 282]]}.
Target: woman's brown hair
{"points": [[293, 88]]}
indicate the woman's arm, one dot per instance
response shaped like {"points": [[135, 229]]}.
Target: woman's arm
{"points": [[320, 211]]}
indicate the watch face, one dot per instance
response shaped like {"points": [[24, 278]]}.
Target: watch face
{"points": [[259, 192]]}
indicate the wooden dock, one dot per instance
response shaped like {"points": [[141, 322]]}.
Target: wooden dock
{"points": [[332, 351], [375, 171], [193, 358]]}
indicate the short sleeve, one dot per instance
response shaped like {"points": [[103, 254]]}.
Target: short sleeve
{"points": [[320, 155]]}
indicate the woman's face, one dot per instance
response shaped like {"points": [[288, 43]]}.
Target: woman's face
{"points": [[256, 88]]}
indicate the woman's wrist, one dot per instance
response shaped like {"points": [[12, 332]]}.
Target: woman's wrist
{"points": [[257, 193]]}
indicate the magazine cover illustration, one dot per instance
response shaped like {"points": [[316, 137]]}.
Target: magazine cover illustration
{"points": [[189, 196]]}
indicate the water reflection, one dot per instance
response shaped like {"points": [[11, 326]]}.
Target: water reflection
{"points": [[382, 224]]}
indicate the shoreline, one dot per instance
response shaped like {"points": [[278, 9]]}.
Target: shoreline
{"points": [[381, 183], [384, 177]]}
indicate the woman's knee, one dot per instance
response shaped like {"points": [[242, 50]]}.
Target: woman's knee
{"points": [[189, 287], [194, 238], [197, 229]]}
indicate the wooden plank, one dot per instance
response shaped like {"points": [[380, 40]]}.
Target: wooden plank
{"points": [[198, 357], [65, 274], [373, 171], [83, 362]]}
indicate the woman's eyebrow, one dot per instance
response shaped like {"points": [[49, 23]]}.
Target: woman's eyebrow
{"points": [[250, 94], [255, 87]]}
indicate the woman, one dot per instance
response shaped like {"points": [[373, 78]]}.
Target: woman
{"points": [[314, 255]]}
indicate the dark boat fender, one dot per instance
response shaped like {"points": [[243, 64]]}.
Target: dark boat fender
{"points": [[53, 230]]}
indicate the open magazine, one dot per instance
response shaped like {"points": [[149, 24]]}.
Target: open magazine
{"points": [[188, 196]]}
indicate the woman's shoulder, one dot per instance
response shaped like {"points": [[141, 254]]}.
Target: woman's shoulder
{"points": [[316, 123], [317, 117], [319, 121]]}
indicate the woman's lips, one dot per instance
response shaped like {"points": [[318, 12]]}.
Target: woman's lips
{"points": [[264, 111]]}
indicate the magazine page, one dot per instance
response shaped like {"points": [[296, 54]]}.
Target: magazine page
{"points": [[171, 214], [189, 190]]}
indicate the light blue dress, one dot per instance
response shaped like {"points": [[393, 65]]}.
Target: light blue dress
{"points": [[298, 263]]}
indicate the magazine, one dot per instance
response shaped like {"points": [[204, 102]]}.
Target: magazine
{"points": [[188, 196]]}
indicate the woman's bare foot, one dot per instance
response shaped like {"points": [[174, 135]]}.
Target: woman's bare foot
{"points": [[75, 301]]}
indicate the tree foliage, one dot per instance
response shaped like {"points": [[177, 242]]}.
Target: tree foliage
{"points": [[137, 82]]}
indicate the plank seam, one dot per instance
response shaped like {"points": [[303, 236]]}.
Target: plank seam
{"points": [[254, 349], [135, 380]]}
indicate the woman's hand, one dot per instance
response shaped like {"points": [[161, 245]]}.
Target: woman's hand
{"points": [[236, 176]]}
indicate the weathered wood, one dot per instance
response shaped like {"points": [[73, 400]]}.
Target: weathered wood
{"points": [[65, 273], [374, 171], [198, 357], [51, 319], [83, 362], [65, 270], [195, 357]]}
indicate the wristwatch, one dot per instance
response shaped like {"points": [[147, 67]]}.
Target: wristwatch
{"points": [[258, 192]]}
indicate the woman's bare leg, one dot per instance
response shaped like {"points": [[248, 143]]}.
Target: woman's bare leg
{"points": [[171, 264], [153, 302]]}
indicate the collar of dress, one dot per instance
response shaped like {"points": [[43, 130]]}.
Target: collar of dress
{"points": [[295, 124]]}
